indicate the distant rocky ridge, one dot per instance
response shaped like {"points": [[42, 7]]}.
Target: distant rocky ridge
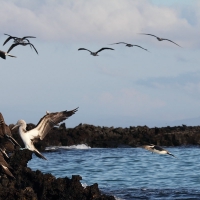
{"points": [[96, 136]]}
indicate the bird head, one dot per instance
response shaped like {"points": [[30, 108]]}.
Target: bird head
{"points": [[19, 123]]}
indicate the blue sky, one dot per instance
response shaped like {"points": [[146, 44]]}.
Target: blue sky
{"points": [[125, 87]]}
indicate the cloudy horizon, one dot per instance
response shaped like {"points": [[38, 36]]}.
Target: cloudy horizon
{"points": [[125, 87]]}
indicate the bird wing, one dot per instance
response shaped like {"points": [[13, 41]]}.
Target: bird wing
{"points": [[140, 47], [84, 49], [10, 37], [119, 43], [104, 49], [158, 148], [47, 122], [148, 34], [171, 41], [32, 46], [148, 147], [7, 40], [12, 46], [27, 37]]}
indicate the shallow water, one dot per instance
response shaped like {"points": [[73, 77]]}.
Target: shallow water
{"points": [[128, 173]]}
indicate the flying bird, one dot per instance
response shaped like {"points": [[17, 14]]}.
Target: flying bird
{"points": [[46, 123], [5, 166], [23, 44], [17, 39], [129, 45], [156, 149], [95, 53], [3, 54], [159, 39]]}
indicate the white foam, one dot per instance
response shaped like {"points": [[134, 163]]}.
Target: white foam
{"points": [[84, 185], [79, 146], [117, 198]]}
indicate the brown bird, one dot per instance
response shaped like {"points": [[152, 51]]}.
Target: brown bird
{"points": [[159, 39], [95, 53], [7, 142], [3, 54], [45, 124], [21, 43], [17, 39], [5, 166], [129, 45], [156, 149]]}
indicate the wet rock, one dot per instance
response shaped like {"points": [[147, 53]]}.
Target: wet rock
{"points": [[34, 185]]}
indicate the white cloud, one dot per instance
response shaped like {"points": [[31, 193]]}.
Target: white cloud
{"points": [[94, 20]]}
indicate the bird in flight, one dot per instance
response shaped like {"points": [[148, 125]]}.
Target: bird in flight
{"points": [[156, 149], [160, 39], [95, 53], [21, 43], [46, 123], [3, 54], [129, 45], [16, 39]]}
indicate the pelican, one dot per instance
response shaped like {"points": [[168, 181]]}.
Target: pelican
{"points": [[5, 166], [129, 45], [16, 39], [156, 149], [46, 123], [21, 43], [3, 54], [95, 53], [160, 39]]}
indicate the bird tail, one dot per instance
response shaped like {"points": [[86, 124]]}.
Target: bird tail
{"points": [[38, 154], [10, 55], [7, 171], [171, 154]]}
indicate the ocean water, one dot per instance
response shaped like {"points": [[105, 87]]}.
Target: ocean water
{"points": [[128, 173]]}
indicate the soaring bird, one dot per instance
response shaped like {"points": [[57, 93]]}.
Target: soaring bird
{"points": [[21, 43], [17, 39], [156, 149], [5, 166], [159, 39], [95, 53], [46, 123], [3, 54], [129, 45]]}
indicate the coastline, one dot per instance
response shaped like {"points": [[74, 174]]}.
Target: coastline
{"points": [[111, 137]]}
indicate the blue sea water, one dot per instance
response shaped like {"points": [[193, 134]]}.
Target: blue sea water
{"points": [[128, 173]]}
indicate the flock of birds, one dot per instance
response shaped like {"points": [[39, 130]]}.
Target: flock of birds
{"points": [[48, 121], [24, 42]]}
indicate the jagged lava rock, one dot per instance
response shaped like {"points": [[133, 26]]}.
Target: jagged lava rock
{"points": [[34, 185]]}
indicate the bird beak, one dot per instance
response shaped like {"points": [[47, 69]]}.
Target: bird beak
{"points": [[16, 125]]}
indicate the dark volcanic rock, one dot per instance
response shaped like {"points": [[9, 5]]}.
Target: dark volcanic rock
{"points": [[96, 136], [35, 185]]}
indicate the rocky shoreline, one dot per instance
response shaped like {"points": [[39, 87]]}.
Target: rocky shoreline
{"points": [[34, 185], [110, 137]]}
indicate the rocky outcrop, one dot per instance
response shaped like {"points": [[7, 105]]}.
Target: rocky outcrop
{"points": [[34, 185], [96, 136]]}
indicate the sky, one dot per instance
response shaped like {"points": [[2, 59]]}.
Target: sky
{"points": [[125, 87]]}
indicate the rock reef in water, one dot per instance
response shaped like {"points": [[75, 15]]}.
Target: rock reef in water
{"points": [[96, 136], [34, 185]]}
